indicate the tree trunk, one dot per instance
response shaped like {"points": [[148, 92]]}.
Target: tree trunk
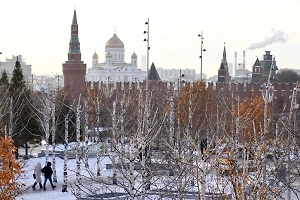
{"points": [[65, 184], [26, 149]]}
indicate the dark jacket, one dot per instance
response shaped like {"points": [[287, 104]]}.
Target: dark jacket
{"points": [[47, 170]]}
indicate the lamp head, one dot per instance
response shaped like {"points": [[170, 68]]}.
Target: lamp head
{"points": [[274, 78], [145, 32], [204, 50], [263, 86], [274, 67], [145, 40], [146, 23]]}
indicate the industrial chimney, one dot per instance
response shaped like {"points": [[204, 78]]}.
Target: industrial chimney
{"points": [[235, 62], [244, 58]]}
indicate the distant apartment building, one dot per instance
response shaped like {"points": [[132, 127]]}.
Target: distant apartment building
{"points": [[230, 69], [47, 82], [173, 75], [144, 63], [9, 66], [204, 76]]}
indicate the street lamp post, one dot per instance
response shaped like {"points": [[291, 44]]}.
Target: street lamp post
{"points": [[32, 80], [145, 143], [201, 36], [58, 77], [135, 83], [266, 94], [179, 80], [148, 48], [293, 108]]}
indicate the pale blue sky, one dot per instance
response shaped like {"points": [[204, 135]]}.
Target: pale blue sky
{"points": [[40, 31]]}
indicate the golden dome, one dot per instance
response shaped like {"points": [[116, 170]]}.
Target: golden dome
{"points": [[114, 42]]}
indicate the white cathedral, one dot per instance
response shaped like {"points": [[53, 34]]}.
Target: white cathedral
{"points": [[114, 68]]}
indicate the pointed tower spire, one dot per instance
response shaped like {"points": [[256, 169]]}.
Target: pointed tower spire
{"points": [[153, 74], [224, 52], [223, 73], [257, 63], [74, 45], [74, 21], [256, 71]]}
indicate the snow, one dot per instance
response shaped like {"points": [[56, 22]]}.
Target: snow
{"points": [[57, 194], [39, 193], [27, 193], [28, 166], [27, 179]]}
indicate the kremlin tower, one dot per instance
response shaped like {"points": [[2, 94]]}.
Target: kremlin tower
{"points": [[74, 69], [223, 73]]}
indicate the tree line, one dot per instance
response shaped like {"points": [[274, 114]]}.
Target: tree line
{"points": [[177, 141]]}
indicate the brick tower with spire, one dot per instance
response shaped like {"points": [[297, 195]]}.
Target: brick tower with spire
{"points": [[74, 69], [223, 73]]}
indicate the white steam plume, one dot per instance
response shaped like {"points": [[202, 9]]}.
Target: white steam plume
{"points": [[278, 36]]}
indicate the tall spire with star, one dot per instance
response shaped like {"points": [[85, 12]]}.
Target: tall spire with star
{"points": [[223, 73], [74, 69], [74, 45]]}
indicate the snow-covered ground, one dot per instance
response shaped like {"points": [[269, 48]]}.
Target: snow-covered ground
{"points": [[28, 165], [27, 179], [27, 193]]}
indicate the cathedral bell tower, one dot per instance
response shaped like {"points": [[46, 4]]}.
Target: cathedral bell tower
{"points": [[74, 69]]}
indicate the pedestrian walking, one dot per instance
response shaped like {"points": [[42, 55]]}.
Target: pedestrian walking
{"points": [[37, 175], [47, 170]]}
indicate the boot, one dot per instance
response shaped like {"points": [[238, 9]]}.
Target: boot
{"points": [[54, 186], [33, 187], [41, 187]]}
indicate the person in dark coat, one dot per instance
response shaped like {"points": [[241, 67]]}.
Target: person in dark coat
{"points": [[47, 170]]}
